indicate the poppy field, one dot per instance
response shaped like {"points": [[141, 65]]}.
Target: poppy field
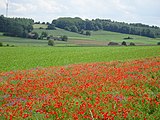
{"points": [[101, 90]]}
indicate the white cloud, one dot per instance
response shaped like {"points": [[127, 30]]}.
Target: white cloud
{"points": [[2, 4], [120, 10]]}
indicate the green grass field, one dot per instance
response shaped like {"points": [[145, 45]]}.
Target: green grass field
{"points": [[40, 26], [100, 37], [18, 58]]}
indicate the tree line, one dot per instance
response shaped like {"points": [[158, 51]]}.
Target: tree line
{"points": [[22, 27], [16, 27], [79, 25]]}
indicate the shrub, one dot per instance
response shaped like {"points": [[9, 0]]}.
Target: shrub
{"points": [[124, 43], [88, 33], [36, 35], [128, 38], [112, 43], [1, 44], [132, 44], [51, 42], [51, 27], [158, 43], [82, 32], [40, 27], [64, 38], [33, 35], [7, 45]]}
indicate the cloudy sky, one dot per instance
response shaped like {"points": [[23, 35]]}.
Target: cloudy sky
{"points": [[131, 11]]}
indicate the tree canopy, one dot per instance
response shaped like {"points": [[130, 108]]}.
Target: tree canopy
{"points": [[78, 25], [19, 27]]}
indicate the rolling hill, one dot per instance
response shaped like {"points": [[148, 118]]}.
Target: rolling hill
{"points": [[97, 38]]}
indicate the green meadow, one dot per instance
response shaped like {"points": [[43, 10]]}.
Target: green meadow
{"points": [[100, 37], [97, 38], [19, 58], [30, 53]]}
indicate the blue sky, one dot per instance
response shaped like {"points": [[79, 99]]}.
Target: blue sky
{"points": [[131, 11]]}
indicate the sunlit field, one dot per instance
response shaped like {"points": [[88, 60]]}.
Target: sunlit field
{"points": [[20, 58]]}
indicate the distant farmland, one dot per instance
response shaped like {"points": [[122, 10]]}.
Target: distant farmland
{"points": [[97, 38]]}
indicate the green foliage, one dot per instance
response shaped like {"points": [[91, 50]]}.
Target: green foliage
{"points": [[31, 57], [43, 34], [128, 38], [41, 28], [113, 44], [51, 42], [77, 24], [19, 27], [124, 43], [43, 23], [51, 27], [73, 29], [38, 26], [132, 44], [82, 32], [64, 38], [101, 38], [37, 22], [88, 33], [1, 44], [34, 35], [158, 43]]}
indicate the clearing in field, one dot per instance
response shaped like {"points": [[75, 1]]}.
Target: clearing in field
{"points": [[106, 90]]}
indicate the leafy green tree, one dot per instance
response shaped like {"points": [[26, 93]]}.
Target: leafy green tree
{"points": [[89, 25], [132, 44], [67, 28], [47, 23], [64, 38], [82, 32], [35, 35], [72, 24], [1, 44], [74, 29], [51, 42], [43, 34], [51, 27], [88, 33], [124, 43], [19, 27]]}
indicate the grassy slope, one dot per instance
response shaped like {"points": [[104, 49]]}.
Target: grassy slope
{"points": [[40, 25], [101, 38], [22, 41], [30, 57]]}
